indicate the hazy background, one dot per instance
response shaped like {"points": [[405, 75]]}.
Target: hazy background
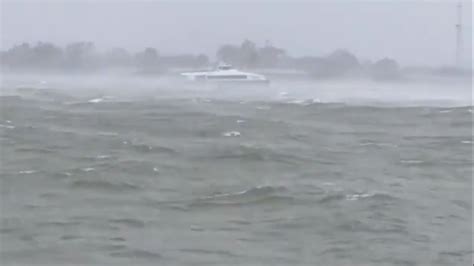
{"points": [[358, 151], [411, 32]]}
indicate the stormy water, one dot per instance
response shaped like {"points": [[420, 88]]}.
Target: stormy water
{"points": [[145, 172]]}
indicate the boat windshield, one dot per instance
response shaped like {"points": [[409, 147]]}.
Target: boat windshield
{"points": [[224, 67]]}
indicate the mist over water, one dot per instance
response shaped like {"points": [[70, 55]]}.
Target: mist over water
{"points": [[425, 92]]}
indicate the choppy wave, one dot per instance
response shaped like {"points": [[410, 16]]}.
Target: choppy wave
{"points": [[140, 176], [255, 195], [136, 254], [103, 185], [129, 222]]}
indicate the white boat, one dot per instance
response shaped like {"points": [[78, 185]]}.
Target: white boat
{"points": [[225, 74]]}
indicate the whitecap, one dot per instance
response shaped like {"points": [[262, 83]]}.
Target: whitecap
{"points": [[304, 102], [328, 184], [263, 107], [378, 144], [257, 190], [96, 100], [155, 169], [102, 157], [445, 111], [111, 134], [296, 101], [353, 197], [88, 169], [225, 195], [7, 126], [26, 172], [369, 143], [231, 134], [466, 141], [240, 121]]}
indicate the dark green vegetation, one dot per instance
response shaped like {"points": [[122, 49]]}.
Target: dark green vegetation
{"points": [[84, 57]]}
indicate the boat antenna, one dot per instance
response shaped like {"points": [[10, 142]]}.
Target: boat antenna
{"points": [[459, 28]]}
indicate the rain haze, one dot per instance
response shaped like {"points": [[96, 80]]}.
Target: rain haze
{"points": [[236, 133], [412, 32]]}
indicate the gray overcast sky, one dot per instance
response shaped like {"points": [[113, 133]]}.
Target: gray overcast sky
{"points": [[413, 32]]}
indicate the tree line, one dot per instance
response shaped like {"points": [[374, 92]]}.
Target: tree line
{"points": [[83, 56]]}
